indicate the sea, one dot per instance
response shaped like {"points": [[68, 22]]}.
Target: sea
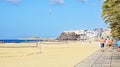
{"points": [[17, 41]]}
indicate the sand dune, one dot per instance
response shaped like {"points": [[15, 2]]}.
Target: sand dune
{"points": [[46, 54]]}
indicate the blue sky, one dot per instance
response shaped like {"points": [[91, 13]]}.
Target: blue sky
{"points": [[48, 18]]}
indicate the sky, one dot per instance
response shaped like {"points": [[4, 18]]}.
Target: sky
{"points": [[48, 18]]}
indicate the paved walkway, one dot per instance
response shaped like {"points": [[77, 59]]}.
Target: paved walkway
{"points": [[102, 59]]}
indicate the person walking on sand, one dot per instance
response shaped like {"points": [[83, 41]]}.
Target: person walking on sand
{"points": [[102, 41], [110, 44], [118, 45]]}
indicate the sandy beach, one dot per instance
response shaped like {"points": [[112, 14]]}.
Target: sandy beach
{"points": [[47, 54]]}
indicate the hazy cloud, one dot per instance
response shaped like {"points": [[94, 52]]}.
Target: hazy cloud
{"points": [[50, 11], [83, 1], [102, 0], [57, 2], [13, 1]]}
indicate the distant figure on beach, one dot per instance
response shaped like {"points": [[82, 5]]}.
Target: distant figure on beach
{"points": [[110, 44], [118, 45], [102, 42]]}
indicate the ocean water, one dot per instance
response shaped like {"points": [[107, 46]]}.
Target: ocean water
{"points": [[18, 41]]}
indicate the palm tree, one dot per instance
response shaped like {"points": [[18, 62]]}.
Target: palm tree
{"points": [[111, 15]]}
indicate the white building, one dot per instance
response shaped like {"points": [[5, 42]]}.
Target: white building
{"points": [[83, 34]]}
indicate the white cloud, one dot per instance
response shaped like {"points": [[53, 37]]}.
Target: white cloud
{"points": [[102, 0], [57, 2], [14, 1], [83, 1]]}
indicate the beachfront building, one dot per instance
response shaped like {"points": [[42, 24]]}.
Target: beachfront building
{"points": [[107, 32], [82, 35], [85, 35]]}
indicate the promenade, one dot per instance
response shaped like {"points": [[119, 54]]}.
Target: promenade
{"points": [[102, 59]]}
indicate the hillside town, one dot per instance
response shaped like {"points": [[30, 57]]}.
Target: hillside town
{"points": [[84, 35]]}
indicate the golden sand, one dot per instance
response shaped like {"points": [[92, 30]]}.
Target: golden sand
{"points": [[46, 54]]}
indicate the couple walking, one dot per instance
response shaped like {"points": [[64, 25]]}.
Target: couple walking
{"points": [[108, 42]]}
